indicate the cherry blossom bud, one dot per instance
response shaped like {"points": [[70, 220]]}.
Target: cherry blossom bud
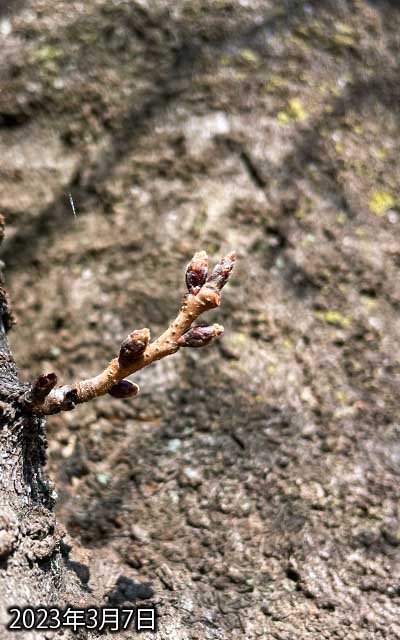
{"points": [[222, 270], [133, 347], [124, 389], [42, 386], [196, 272], [200, 336]]}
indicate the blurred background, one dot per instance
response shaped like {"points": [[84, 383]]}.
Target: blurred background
{"points": [[251, 490]]}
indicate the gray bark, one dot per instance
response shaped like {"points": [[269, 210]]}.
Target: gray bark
{"points": [[32, 568]]}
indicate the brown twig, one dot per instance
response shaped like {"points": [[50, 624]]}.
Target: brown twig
{"points": [[136, 352]]}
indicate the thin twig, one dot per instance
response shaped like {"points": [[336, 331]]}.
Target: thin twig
{"points": [[136, 352]]}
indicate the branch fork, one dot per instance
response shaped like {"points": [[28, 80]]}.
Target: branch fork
{"points": [[136, 351]]}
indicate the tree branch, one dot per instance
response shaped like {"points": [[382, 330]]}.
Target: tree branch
{"points": [[135, 352]]}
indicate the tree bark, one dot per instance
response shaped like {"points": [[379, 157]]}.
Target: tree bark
{"points": [[33, 571]]}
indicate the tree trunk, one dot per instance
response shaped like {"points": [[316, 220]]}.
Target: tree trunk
{"points": [[32, 567]]}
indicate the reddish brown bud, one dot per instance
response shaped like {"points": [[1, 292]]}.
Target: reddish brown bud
{"points": [[196, 272], [133, 347], [200, 336], [42, 386], [70, 400], [124, 389], [222, 270]]}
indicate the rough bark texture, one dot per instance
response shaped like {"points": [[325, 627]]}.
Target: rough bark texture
{"points": [[251, 489], [32, 569]]}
